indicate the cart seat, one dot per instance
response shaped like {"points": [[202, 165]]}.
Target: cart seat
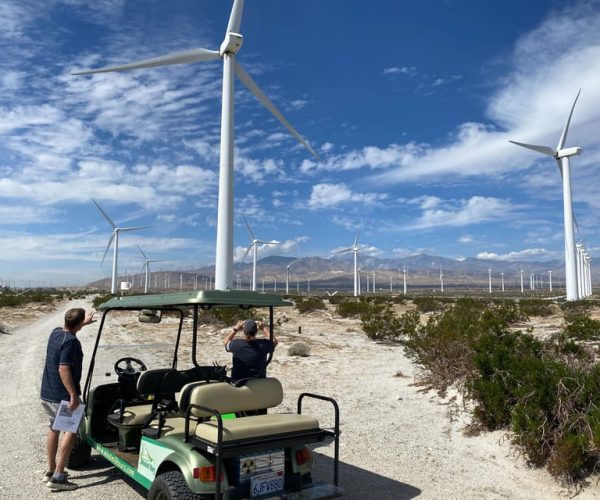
{"points": [[132, 415], [256, 426]]}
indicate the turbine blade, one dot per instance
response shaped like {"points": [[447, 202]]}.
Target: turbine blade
{"points": [[540, 149], [563, 136], [249, 228], [235, 18], [343, 251], [105, 214], [247, 252], [143, 267], [142, 252], [110, 240], [268, 242], [133, 228], [253, 87], [187, 56], [356, 239]]}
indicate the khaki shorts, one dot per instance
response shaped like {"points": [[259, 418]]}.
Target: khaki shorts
{"points": [[51, 409]]}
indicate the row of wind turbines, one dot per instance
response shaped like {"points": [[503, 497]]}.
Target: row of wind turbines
{"points": [[224, 261]]}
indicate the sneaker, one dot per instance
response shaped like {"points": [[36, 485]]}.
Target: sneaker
{"points": [[61, 484], [48, 475]]}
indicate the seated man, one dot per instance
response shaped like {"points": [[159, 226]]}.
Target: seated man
{"points": [[249, 354]]}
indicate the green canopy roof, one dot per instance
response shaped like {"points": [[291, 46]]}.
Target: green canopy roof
{"points": [[234, 298]]}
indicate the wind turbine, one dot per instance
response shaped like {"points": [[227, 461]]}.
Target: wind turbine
{"points": [[521, 280], [227, 51], [114, 236], [562, 155], [354, 248], [146, 266], [550, 279], [490, 278], [404, 279], [441, 280], [254, 245]]}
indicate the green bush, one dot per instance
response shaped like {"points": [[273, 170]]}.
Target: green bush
{"points": [[309, 304], [100, 299], [299, 349], [379, 322], [535, 307], [352, 307], [582, 327], [428, 304]]}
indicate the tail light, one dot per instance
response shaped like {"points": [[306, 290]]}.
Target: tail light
{"points": [[303, 456], [206, 474]]}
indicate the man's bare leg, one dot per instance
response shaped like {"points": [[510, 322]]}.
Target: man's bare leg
{"points": [[52, 447], [65, 450]]}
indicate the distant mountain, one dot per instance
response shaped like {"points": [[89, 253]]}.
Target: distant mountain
{"points": [[422, 270]]}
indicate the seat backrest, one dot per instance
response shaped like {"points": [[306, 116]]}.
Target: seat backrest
{"points": [[256, 394], [150, 381]]}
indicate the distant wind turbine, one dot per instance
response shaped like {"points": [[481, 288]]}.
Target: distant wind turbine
{"points": [[146, 266], [490, 278], [254, 245], [114, 236], [355, 249], [562, 155], [227, 51]]}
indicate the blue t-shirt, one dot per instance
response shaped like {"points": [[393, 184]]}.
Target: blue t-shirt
{"points": [[63, 348], [249, 358]]}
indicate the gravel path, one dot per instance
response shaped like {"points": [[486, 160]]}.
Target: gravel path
{"points": [[397, 442]]}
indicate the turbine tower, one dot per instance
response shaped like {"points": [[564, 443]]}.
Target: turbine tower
{"points": [[521, 280], [354, 248], [227, 52], [146, 266], [254, 245], [114, 236], [490, 278], [550, 279], [441, 280], [404, 279], [562, 155]]}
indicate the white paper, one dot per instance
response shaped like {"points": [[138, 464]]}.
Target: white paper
{"points": [[67, 420]]}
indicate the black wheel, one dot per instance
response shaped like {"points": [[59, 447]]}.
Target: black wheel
{"points": [[80, 454], [171, 486]]}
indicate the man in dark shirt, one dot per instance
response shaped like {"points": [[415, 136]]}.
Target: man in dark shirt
{"points": [[249, 354], [61, 382]]}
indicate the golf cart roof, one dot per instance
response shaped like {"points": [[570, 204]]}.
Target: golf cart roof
{"points": [[204, 298]]}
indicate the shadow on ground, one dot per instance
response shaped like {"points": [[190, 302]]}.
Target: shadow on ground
{"points": [[99, 471], [359, 484]]}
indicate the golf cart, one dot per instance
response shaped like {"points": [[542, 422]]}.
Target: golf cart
{"points": [[189, 432]]}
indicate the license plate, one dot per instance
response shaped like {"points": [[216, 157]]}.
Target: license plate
{"points": [[257, 464], [266, 484]]}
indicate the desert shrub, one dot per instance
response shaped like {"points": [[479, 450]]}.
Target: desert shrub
{"points": [[428, 304], [408, 323], [535, 307], [575, 308], [337, 299], [379, 322], [308, 304], [353, 307], [299, 349], [100, 299], [582, 327], [227, 315], [398, 299]]}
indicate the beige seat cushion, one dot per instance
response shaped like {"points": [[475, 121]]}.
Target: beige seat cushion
{"points": [[175, 425], [226, 398], [133, 415], [256, 426]]}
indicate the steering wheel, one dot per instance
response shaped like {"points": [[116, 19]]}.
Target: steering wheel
{"points": [[133, 367]]}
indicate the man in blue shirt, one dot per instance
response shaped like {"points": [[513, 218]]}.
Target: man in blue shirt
{"points": [[61, 381], [249, 354]]}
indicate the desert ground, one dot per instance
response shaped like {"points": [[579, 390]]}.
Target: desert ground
{"points": [[398, 441]]}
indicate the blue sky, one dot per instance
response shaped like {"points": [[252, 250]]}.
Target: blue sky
{"points": [[410, 105]]}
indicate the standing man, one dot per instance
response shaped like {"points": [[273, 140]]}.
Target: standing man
{"points": [[249, 354], [61, 382]]}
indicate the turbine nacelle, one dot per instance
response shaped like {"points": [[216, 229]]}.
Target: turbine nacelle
{"points": [[566, 152], [231, 44]]}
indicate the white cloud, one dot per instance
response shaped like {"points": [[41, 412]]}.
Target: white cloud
{"points": [[527, 254], [465, 239], [462, 212], [287, 247], [400, 70], [329, 195]]}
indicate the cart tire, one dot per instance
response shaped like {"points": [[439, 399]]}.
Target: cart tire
{"points": [[171, 486], [80, 454]]}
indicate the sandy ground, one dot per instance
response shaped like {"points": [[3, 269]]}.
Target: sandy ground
{"points": [[397, 442]]}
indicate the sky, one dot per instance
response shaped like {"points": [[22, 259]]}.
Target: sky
{"points": [[410, 106]]}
